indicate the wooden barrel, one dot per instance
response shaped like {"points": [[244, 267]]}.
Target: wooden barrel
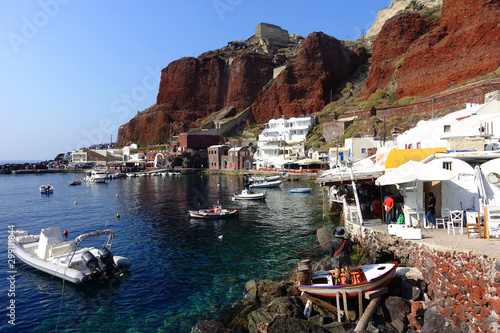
{"points": [[305, 272]]}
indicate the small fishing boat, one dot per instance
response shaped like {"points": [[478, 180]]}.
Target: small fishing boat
{"points": [[265, 183], [364, 278], [250, 195], [48, 252], [214, 213], [76, 182], [267, 178], [46, 189], [301, 190]]}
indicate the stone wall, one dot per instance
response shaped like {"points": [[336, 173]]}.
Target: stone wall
{"points": [[458, 98], [462, 286], [271, 33]]}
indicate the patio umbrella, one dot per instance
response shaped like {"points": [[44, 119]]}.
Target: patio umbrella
{"points": [[481, 191], [413, 171]]}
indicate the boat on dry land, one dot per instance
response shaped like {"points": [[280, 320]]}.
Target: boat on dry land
{"points": [[364, 278]]}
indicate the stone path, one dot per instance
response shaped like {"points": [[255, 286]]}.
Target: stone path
{"points": [[439, 239]]}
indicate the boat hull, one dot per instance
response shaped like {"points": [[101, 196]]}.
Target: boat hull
{"points": [[370, 277], [65, 273], [300, 190], [208, 214], [268, 184], [247, 195]]}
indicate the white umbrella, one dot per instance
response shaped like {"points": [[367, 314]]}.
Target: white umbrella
{"points": [[413, 171], [478, 179]]}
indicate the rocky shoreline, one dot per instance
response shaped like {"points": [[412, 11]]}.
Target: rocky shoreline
{"points": [[419, 299]]}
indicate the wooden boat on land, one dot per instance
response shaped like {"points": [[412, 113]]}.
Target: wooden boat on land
{"points": [[46, 189], [301, 190], [265, 183], [214, 213], [48, 253], [364, 278], [250, 195]]}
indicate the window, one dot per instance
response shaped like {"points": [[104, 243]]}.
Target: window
{"points": [[363, 150], [447, 128], [447, 165]]}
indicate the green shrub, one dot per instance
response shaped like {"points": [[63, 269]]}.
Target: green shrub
{"points": [[405, 100]]}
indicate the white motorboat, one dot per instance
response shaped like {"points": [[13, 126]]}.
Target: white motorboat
{"points": [[48, 252], [268, 178], [96, 176], [46, 189], [250, 195], [265, 183]]}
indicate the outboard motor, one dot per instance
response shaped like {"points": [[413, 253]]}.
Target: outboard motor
{"points": [[107, 259], [91, 262]]}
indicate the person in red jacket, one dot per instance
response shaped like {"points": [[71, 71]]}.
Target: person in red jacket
{"points": [[388, 205]]}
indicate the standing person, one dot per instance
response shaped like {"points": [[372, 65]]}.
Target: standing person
{"points": [[376, 207], [431, 211], [340, 251], [388, 205]]}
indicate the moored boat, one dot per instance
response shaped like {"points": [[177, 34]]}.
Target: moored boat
{"points": [[46, 189], [76, 182], [265, 183], [214, 213], [249, 195], [96, 176], [301, 190], [48, 252], [364, 278]]}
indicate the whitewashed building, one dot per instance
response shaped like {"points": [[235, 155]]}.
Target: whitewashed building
{"points": [[281, 140]]}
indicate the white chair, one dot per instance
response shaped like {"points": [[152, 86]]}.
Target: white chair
{"points": [[445, 217], [456, 217]]}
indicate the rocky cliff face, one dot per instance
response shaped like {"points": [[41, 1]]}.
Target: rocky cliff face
{"points": [[428, 56], [304, 87], [193, 88], [412, 56], [396, 7]]}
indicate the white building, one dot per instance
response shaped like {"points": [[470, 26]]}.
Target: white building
{"points": [[282, 139]]}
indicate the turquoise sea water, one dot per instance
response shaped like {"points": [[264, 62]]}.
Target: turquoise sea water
{"points": [[182, 271]]}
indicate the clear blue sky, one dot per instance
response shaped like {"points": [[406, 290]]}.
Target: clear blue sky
{"points": [[72, 72]]}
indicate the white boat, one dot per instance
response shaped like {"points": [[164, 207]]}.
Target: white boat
{"points": [[364, 278], [96, 176], [265, 183], [268, 178], [48, 252], [301, 190], [250, 195], [46, 189], [214, 213]]}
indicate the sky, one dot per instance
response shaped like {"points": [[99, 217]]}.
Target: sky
{"points": [[72, 71]]}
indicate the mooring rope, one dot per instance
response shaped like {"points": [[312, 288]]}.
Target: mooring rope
{"points": [[60, 304]]}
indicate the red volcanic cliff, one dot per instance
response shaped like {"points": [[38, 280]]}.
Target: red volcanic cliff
{"points": [[433, 56], [305, 86]]}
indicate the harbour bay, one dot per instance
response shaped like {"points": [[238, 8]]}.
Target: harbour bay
{"points": [[183, 270]]}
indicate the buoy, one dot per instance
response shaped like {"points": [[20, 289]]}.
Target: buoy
{"points": [[65, 233], [220, 237], [75, 202], [117, 216], [116, 194]]}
